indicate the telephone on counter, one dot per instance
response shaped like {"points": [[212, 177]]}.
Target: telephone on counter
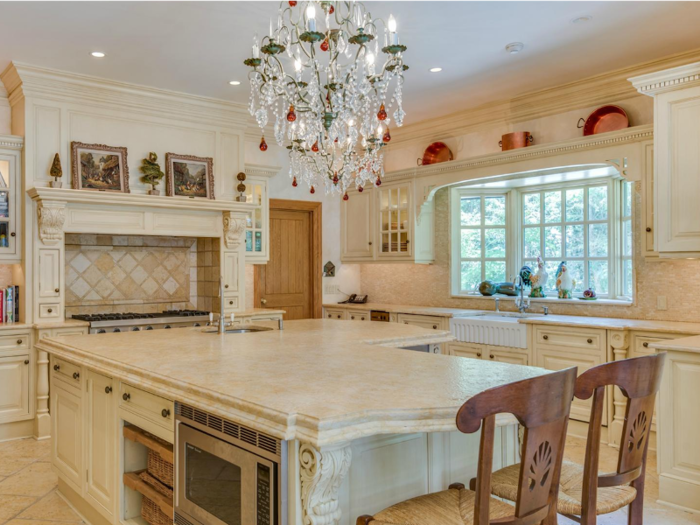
{"points": [[355, 299]]}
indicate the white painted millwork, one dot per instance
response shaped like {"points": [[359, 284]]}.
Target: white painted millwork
{"points": [[490, 330], [101, 435], [676, 95], [425, 321], [14, 394], [358, 232], [502, 354], [67, 433], [11, 173]]}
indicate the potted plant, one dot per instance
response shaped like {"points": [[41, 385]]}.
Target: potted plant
{"points": [[56, 172], [152, 174]]}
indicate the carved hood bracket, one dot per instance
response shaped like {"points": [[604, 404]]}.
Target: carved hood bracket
{"points": [[51, 216]]}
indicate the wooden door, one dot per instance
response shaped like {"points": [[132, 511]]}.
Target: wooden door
{"points": [[290, 281]]}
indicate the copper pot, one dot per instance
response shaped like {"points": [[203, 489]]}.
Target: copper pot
{"points": [[603, 120], [518, 139], [436, 152]]}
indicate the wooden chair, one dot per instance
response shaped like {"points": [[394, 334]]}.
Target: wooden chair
{"points": [[541, 405], [583, 492]]}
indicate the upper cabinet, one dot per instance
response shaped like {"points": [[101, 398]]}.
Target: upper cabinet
{"points": [[676, 189], [380, 225], [10, 173], [257, 240]]}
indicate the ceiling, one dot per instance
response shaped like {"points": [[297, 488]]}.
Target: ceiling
{"points": [[198, 47]]}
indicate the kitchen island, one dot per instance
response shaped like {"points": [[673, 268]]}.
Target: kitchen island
{"points": [[333, 391]]}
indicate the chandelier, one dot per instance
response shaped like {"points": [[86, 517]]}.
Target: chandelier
{"points": [[321, 83]]}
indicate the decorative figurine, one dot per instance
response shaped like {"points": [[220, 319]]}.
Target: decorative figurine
{"points": [[56, 172], [589, 295], [539, 280], [152, 174], [565, 284], [526, 275], [241, 188], [489, 288]]}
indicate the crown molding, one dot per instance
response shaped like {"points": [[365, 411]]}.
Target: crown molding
{"points": [[24, 81], [597, 90], [667, 79], [257, 170], [11, 142], [629, 135]]}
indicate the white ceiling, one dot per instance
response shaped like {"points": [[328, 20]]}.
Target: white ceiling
{"points": [[197, 47]]}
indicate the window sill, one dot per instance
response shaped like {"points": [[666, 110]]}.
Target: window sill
{"points": [[549, 300]]}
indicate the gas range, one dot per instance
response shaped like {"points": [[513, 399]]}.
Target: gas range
{"points": [[133, 322]]}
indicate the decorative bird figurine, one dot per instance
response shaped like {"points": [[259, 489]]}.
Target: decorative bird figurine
{"points": [[539, 280], [565, 283]]}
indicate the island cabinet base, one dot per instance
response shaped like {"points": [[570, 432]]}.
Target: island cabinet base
{"points": [[83, 508]]}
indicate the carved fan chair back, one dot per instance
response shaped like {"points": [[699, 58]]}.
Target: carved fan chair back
{"points": [[541, 405]]}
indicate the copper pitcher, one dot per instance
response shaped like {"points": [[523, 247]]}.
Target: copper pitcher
{"points": [[518, 139]]}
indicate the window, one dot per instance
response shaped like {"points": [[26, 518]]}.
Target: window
{"points": [[588, 224]]}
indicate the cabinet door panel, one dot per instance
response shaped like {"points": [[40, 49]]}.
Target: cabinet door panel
{"points": [[230, 272], [14, 394], [101, 443], [49, 272], [357, 232], [67, 434]]}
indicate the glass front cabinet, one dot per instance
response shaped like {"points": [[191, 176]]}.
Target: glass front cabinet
{"points": [[10, 172], [257, 222], [394, 206]]}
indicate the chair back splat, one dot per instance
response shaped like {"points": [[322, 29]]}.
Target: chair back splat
{"points": [[541, 405]]}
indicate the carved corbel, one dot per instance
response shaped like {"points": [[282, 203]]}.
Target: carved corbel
{"points": [[51, 216], [321, 472], [619, 342], [234, 230]]}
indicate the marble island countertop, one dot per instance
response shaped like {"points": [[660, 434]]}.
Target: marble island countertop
{"points": [[686, 344], [320, 381], [405, 309]]}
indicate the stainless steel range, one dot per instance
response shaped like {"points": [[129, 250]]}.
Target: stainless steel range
{"points": [[132, 322]]}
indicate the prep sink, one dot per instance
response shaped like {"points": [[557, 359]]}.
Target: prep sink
{"points": [[493, 328]]}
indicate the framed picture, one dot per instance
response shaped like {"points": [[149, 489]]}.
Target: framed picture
{"points": [[99, 168], [189, 176]]}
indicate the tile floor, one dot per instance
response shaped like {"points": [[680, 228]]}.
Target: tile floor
{"points": [[28, 488]]}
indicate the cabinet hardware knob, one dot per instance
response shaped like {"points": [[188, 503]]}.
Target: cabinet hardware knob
{"points": [[545, 337], [12, 234], [352, 317], [56, 368], [26, 361], [165, 412], [491, 356], [370, 243], [338, 316], [50, 310], [108, 390], [263, 301], [362, 318], [226, 286], [126, 396], [589, 341], [57, 290], [434, 327], [19, 341], [478, 354], [329, 316], [76, 375], [645, 345], [648, 229]]}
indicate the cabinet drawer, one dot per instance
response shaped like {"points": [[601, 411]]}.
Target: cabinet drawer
{"points": [[48, 311], [66, 371], [570, 338], [14, 343], [641, 344], [424, 321], [150, 406], [357, 315], [461, 349], [335, 313]]}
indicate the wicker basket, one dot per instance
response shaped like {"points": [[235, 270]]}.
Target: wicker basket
{"points": [[159, 468], [151, 512]]}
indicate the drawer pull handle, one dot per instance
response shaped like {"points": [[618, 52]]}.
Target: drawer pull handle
{"points": [[370, 243], [19, 341], [434, 327], [50, 310], [491, 356], [545, 337], [76, 375], [165, 412], [645, 345], [126, 396], [648, 230], [338, 316], [226, 286], [330, 316], [589, 341], [57, 290], [56, 368], [352, 317], [108, 390], [362, 318], [26, 361], [478, 354]]}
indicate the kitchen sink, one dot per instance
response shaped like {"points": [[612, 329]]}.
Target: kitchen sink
{"points": [[492, 328]]}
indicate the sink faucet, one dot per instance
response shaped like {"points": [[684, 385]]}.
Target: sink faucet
{"points": [[498, 300], [522, 302]]}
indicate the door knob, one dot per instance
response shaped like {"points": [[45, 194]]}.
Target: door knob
{"points": [[263, 301]]}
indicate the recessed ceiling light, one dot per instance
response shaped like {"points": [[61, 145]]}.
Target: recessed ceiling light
{"points": [[582, 19], [98, 54], [435, 69], [235, 83], [514, 47]]}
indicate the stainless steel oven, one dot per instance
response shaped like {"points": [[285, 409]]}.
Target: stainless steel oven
{"points": [[226, 473]]}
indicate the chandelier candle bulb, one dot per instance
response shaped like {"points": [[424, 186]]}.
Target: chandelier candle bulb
{"points": [[391, 25], [311, 17]]}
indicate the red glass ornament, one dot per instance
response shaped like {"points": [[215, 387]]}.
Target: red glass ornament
{"points": [[294, 182], [292, 3], [335, 178], [345, 197], [382, 113], [291, 116], [314, 148], [379, 182], [312, 190], [336, 139], [360, 189], [324, 45], [387, 136], [331, 10], [263, 144]]}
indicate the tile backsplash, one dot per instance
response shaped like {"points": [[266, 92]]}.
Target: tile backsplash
{"points": [[110, 273]]}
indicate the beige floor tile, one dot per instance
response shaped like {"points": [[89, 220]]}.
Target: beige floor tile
{"points": [[36, 479], [10, 506], [52, 507], [18, 521], [15, 455]]}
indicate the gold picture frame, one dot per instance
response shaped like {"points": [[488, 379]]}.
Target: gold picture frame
{"points": [[98, 167], [180, 181]]}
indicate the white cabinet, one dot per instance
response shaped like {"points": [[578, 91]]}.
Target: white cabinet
{"points": [[67, 433], [647, 233], [676, 95], [357, 238], [257, 238], [14, 391], [430, 322], [101, 443], [394, 217], [230, 269], [502, 354], [335, 313], [10, 172]]}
